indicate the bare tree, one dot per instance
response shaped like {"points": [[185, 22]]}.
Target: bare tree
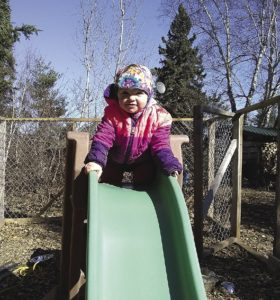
{"points": [[121, 34], [107, 43], [271, 70], [239, 43], [34, 152], [19, 96], [90, 30], [127, 44]]}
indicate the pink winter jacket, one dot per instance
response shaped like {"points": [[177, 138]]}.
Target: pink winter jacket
{"points": [[128, 137]]}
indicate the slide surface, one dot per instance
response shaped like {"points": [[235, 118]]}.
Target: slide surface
{"points": [[140, 244]]}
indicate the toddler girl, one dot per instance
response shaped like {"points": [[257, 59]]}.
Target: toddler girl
{"points": [[134, 132]]}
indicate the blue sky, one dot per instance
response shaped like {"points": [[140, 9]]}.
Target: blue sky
{"points": [[58, 21]]}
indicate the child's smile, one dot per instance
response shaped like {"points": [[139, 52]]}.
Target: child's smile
{"points": [[132, 100]]}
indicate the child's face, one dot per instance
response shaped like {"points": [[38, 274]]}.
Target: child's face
{"points": [[132, 100]]}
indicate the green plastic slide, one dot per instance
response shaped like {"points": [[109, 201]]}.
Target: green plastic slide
{"points": [[140, 244]]}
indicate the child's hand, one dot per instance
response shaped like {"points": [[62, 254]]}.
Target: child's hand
{"points": [[92, 166], [175, 174]]}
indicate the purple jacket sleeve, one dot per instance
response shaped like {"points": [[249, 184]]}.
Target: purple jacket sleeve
{"points": [[102, 141], [161, 150]]}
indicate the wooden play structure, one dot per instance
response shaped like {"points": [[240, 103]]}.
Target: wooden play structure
{"points": [[73, 255]]}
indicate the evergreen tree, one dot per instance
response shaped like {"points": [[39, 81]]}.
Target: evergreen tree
{"points": [[6, 54], [42, 98], [8, 36], [182, 71]]}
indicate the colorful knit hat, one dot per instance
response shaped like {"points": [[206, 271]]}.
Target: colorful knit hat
{"points": [[135, 77]]}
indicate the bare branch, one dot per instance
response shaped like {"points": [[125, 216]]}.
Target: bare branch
{"points": [[120, 47]]}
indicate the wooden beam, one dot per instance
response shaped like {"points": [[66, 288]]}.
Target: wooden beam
{"points": [[198, 179], [223, 244], [217, 111], [271, 262], [276, 244], [261, 257], [237, 177], [211, 152], [257, 106], [219, 176], [211, 158]]}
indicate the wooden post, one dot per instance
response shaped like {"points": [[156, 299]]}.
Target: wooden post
{"points": [[73, 215], [74, 126], [176, 142], [79, 206], [198, 179], [237, 177], [276, 246], [64, 286], [211, 160]]}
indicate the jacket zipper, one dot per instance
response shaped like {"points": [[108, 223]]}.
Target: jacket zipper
{"points": [[131, 137]]}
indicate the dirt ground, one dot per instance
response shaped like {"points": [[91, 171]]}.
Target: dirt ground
{"points": [[247, 275]]}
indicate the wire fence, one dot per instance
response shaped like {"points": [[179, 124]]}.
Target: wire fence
{"points": [[34, 173], [217, 137], [32, 169], [186, 128], [32, 162], [2, 168]]}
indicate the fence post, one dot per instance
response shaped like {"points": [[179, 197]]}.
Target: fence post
{"points": [[276, 246], [237, 176], [2, 170], [211, 159], [198, 179]]}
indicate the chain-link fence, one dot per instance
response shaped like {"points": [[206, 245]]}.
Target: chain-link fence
{"points": [[217, 139], [34, 167], [213, 176], [2, 168], [218, 149], [32, 160], [186, 127]]}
